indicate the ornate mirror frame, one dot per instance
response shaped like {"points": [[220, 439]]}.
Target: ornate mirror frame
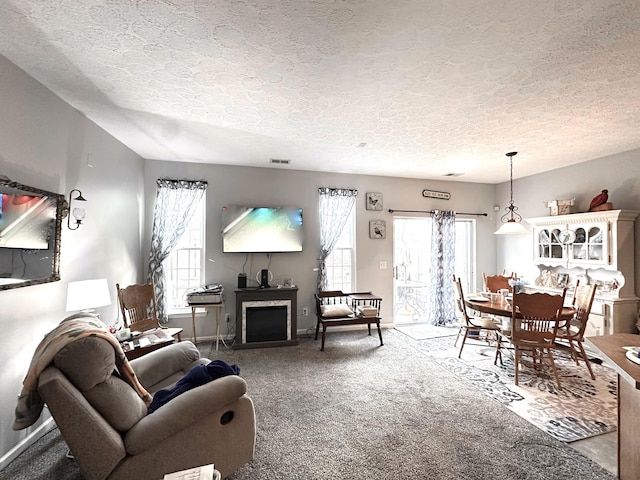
{"points": [[24, 266]]}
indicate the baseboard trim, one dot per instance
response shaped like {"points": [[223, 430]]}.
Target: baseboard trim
{"points": [[26, 442]]}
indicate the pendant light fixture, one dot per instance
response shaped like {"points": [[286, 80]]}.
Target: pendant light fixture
{"points": [[511, 220]]}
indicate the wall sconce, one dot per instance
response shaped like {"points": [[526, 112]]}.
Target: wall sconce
{"points": [[78, 213]]}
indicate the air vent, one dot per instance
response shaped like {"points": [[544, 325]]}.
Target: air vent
{"points": [[279, 161], [453, 174]]}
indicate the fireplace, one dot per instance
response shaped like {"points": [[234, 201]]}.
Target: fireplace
{"points": [[266, 323], [265, 317]]}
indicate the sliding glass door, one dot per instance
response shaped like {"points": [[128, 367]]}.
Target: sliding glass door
{"points": [[412, 261]]}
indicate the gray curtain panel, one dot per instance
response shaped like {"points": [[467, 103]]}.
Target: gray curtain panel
{"points": [[443, 254]]}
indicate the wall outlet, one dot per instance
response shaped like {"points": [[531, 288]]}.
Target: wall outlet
{"points": [[227, 317], [305, 312]]}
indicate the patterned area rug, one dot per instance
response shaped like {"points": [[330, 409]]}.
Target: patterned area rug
{"points": [[582, 409]]}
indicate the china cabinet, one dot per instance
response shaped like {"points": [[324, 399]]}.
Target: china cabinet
{"points": [[593, 247]]}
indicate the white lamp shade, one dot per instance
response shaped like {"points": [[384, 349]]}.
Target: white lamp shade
{"points": [[511, 227], [87, 294]]}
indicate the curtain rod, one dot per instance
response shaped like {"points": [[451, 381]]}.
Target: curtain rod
{"points": [[434, 211]]}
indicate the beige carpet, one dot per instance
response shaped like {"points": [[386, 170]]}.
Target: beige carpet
{"points": [[361, 411]]}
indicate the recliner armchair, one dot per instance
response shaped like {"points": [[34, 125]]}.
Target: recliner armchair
{"points": [[105, 422]]}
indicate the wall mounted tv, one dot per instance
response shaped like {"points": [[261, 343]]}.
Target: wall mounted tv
{"points": [[261, 229]]}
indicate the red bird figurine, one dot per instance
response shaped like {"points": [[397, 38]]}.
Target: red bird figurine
{"points": [[599, 199]]}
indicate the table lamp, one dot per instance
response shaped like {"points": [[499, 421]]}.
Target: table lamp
{"points": [[87, 295]]}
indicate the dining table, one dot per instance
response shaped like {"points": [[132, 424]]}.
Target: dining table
{"points": [[498, 305]]}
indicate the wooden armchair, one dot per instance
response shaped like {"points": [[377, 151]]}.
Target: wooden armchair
{"points": [[333, 308], [138, 306]]}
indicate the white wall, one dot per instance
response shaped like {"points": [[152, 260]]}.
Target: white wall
{"points": [[45, 143], [281, 186]]}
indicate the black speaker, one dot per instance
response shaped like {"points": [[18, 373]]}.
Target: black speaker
{"points": [[242, 280], [264, 278]]}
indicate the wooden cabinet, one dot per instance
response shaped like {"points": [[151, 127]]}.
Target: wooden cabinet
{"points": [[595, 247]]}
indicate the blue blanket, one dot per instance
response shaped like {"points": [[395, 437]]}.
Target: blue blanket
{"points": [[198, 375]]}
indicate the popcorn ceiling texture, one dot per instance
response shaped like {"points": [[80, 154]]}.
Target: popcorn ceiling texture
{"points": [[433, 87]]}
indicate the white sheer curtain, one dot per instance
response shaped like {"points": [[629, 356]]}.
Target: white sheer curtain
{"points": [[334, 209], [175, 200], [443, 251]]}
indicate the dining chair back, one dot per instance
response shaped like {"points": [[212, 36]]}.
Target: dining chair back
{"points": [[471, 326], [535, 322], [138, 306], [139, 310], [495, 283], [573, 332]]}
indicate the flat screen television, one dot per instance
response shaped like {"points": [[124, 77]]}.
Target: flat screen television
{"points": [[261, 229]]}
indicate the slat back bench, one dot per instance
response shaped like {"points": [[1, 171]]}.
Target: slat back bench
{"points": [[333, 308]]}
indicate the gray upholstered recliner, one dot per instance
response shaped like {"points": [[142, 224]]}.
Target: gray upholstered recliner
{"points": [[106, 425]]}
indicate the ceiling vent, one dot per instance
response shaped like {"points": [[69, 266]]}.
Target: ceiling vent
{"points": [[279, 161]]}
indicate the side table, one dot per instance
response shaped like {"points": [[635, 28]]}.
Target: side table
{"points": [[219, 307]]}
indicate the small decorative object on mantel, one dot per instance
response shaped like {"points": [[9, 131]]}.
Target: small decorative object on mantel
{"points": [[560, 207], [434, 194], [377, 229], [374, 201], [600, 203]]}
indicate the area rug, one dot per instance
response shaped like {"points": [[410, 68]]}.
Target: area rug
{"points": [[422, 331], [582, 409]]}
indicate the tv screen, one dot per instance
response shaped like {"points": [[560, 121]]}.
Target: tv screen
{"points": [[26, 221], [261, 229]]}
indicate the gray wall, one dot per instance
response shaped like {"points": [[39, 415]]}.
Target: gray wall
{"points": [[277, 187], [620, 174], [45, 143]]}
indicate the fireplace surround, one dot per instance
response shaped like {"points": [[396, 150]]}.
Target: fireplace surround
{"points": [[266, 317]]}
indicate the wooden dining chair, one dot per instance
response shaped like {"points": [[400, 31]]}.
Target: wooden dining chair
{"points": [[573, 332], [471, 325], [535, 320], [139, 311], [495, 283]]}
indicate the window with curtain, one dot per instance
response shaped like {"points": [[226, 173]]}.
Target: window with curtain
{"points": [[176, 202], [341, 262], [184, 267], [335, 206]]}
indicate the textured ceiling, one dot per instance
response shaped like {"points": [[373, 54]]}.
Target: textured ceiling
{"points": [[431, 86]]}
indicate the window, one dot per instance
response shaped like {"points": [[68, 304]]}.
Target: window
{"points": [[184, 267], [340, 264]]}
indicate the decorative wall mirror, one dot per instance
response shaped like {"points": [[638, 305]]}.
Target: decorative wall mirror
{"points": [[30, 231]]}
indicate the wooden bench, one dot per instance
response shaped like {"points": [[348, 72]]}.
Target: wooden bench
{"points": [[333, 308]]}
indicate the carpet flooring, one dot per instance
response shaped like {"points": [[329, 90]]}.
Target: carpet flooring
{"points": [[359, 410]]}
